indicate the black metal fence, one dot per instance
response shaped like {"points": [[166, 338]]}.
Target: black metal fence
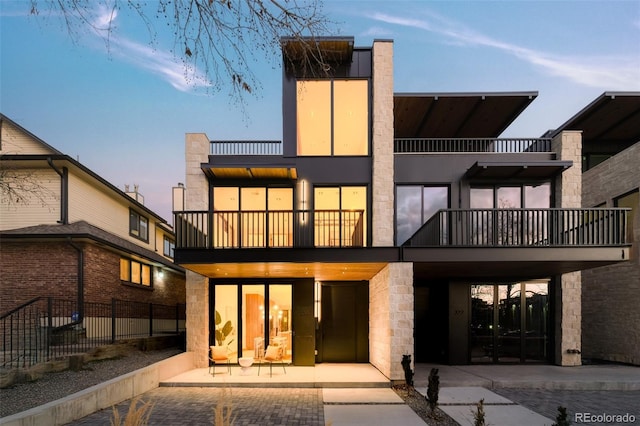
{"points": [[523, 227], [46, 328], [513, 145]]}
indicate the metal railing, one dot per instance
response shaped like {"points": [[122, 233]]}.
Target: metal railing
{"points": [[523, 228], [46, 328], [246, 148], [475, 145], [275, 228]]}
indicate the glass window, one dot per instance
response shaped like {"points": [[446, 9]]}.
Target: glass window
{"points": [[340, 216], [350, 117], [253, 325], [135, 272], [537, 196], [314, 117], [226, 319], [168, 246], [125, 270], [138, 226], [333, 117], [415, 205]]}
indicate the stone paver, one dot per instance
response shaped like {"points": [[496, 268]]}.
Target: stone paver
{"points": [[251, 407], [546, 402]]}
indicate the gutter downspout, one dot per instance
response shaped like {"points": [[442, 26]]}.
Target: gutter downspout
{"points": [[80, 295], [64, 191]]}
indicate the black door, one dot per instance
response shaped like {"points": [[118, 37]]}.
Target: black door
{"points": [[345, 322]]}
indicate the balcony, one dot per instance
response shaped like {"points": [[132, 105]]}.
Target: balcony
{"points": [[596, 227], [246, 148], [269, 229], [472, 145]]}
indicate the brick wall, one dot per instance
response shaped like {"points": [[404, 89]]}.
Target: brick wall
{"points": [[30, 270], [611, 294]]}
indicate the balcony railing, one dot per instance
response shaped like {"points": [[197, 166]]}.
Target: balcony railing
{"points": [[523, 228], [475, 145], [275, 228], [246, 147]]}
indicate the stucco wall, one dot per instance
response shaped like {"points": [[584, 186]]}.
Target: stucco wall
{"points": [[611, 294]]}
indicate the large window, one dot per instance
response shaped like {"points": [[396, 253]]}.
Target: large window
{"points": [[138, 226], [253, 217], [333, 117], [415, 205], [135, 272], [340, 216]]}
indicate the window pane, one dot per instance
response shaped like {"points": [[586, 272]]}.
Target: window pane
{"points": [[226, 318], [314, 117], [125, 270], [280, 204], [133, 223], [354, 215], [253, 314], [509, 197], [434, 199], [408, 212], [537, 196], [146, 275], [144, 228], [253, 204], [280, 318], [135, 272], [225, 199], [326, 217], [350, 117], [481, 198]]}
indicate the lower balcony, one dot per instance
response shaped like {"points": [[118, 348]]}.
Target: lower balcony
{"points": [[269, 229]]}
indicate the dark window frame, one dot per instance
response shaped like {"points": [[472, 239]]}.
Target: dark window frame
{"points": [[135, 222], [166, 241]]}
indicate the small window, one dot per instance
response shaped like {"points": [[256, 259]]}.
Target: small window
{"points": [[168, 247], [136, 273], [138, 226]]}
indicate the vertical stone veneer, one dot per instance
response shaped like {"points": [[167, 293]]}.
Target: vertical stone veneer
{"points": [[197, 148], [568, 307], [391, 290]]}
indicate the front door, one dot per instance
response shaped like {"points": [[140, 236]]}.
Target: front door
{"points": [[345, 322]]}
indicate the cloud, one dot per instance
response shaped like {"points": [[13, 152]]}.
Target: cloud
{"points": [[376, 32], [161, 63], [612, 72]]}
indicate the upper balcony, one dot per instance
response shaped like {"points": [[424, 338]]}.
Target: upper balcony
{"points": [[471, 145], [219, 148], [272, 229]]}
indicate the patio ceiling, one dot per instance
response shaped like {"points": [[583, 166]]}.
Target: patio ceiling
{"points": [[457, 115], [342, 271]]}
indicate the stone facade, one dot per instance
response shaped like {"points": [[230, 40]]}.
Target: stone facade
{"points": [[391, 318], [611, 294], [568, 146], [197, 286], [383, 186]]}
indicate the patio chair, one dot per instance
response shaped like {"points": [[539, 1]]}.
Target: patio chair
{"points": [[271, 355], [219, 354]]}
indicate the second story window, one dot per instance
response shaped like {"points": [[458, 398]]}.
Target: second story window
{"points": [[138, 226], [333, 117], [168, 247]]}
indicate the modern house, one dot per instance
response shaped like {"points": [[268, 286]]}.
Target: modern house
{"points": [[67, 233], [386, 224], [611, 177]]}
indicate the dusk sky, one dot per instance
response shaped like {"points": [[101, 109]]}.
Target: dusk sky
{"points": [[124, 111]]}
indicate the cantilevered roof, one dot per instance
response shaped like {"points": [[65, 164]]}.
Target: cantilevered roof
{"points": [[520, 169], [457, 115], [331, 49], [612, 117]]}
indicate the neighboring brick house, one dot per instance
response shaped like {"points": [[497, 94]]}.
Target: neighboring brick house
{"points": [[67, 233], [386, 224], [610, 128]]}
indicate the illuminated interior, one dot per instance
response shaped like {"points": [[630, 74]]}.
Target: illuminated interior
{"points": [[340, 216], [332, 117]]}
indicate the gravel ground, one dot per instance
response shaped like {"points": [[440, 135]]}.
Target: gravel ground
{"points": [[54, 386], [418, 403]]}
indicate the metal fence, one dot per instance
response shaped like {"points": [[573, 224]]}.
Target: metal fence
{"points": [[513, 145], [523, 227], [46, 328]]}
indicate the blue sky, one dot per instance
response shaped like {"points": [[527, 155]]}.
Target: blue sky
{"points": [[123, 111]]}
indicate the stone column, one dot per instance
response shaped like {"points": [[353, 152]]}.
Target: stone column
{"points": [[568, 308], [382, 155], [197, 287], [391, 319]]}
